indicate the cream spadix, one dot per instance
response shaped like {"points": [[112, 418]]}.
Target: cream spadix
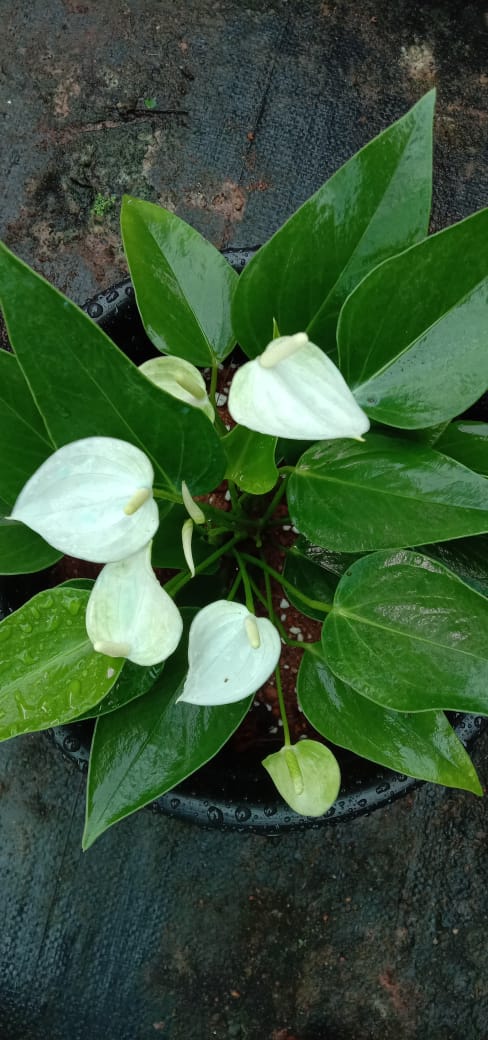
{"points": [[130, 615], [307, 776], [180, 379], [231, 653], [92, 499], [294, 390]]}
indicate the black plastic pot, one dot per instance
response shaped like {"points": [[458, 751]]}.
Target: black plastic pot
{"points": [[232, 791]]}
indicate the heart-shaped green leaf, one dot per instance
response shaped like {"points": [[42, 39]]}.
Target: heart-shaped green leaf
{"points": [[373, 207], [413, 337], [408, 634], [49, 672], [146, 748], [84, 386], [467, 442], [385, 493], [423, 745], [251, 460], [183, 285]]}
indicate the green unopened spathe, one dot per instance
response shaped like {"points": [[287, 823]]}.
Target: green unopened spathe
{"points": [[307, 775], [179, 378]]}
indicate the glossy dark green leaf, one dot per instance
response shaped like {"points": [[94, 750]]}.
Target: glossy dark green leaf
{"points": [[146, 748], [315, 572], [183, 285], [289, 451], [24, 445], [467, 557], [428, 435], [24, 441], [421, 744], [84, 386], [408, 634], [250, 460], [413, 337], [373, 207], [22, 551], [467, 442], [382, 494], [133, 682], [49, 672]]}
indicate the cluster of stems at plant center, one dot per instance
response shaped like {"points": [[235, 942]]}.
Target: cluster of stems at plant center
{"points": [[245, 533]]}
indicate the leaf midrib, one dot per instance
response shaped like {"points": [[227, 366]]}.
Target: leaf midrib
{"points": [[386, 491], [350, 615]]}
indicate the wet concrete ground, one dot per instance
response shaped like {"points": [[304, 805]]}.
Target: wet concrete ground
{"points": [[371, 931]]}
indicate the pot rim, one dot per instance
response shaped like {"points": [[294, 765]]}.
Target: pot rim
{"points": [[204, 798]]}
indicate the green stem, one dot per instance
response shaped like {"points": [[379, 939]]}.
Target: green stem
{"points": [[233, 496], [279, 687], [180, 580], [281, 702], [235, 586], [315, 603], [300, 644], [273, 504], [213, 382], [247, 583], [167, 496]]}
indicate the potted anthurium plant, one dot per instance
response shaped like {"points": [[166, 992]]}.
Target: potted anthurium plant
{"points": [[337, 478]]}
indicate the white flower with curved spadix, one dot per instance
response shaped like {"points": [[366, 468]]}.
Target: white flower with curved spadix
{"points": [[231, 653], [307, 775], [180, 379], [294, 390], [92, 499], [130, 615]]}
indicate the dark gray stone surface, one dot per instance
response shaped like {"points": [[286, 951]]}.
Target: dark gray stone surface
{"points": [[372, 931]]}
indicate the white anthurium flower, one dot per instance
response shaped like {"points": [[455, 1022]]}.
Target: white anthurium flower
{"points": [[231, 653], [130, 615], [307, 775], [180, 379], [294, 390], [92, 499]]}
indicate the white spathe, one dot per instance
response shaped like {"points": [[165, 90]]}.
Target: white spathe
{"points": [[92, 499], [307, 775], [294, 390], [180, 379], [130, 615], [227, 660]]}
